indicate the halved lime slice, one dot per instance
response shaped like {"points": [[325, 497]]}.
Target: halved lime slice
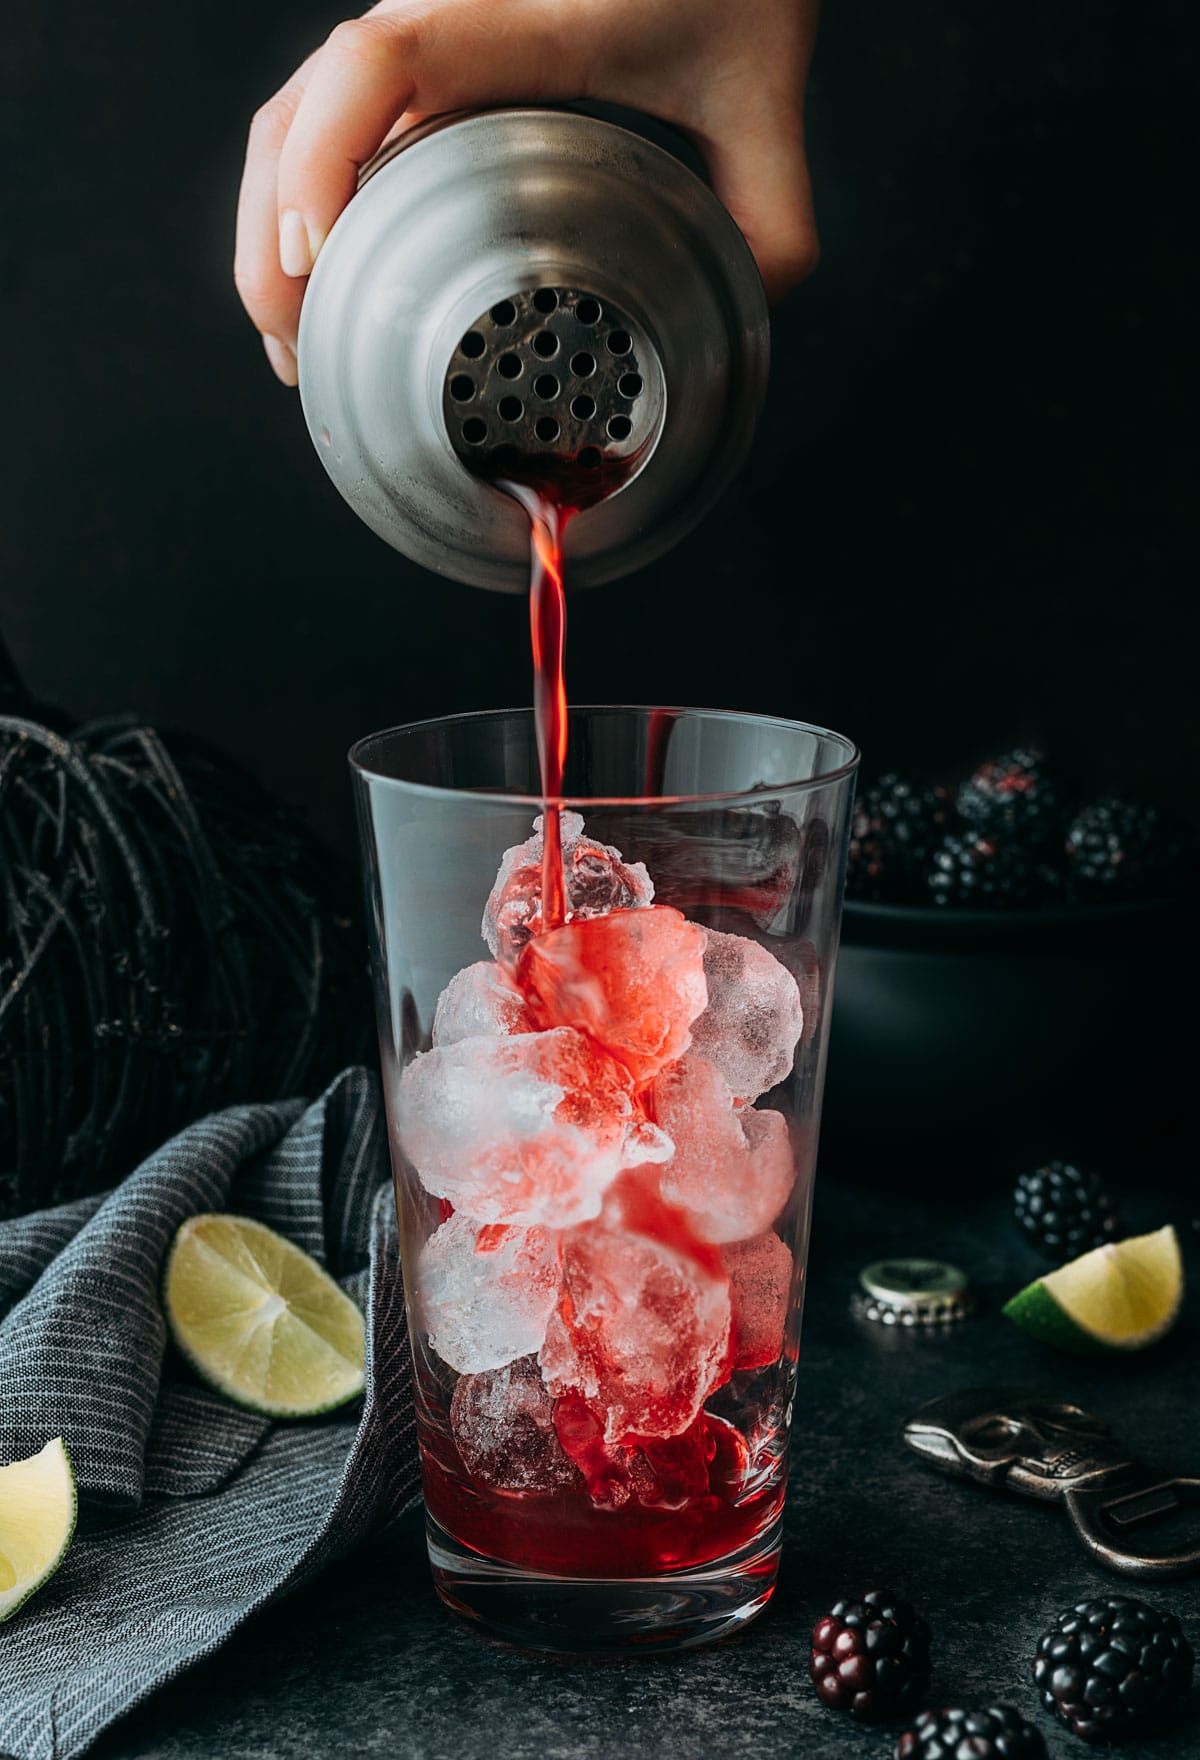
{"points": [[260, 1321], [1119, 1297], [37, 1519]]}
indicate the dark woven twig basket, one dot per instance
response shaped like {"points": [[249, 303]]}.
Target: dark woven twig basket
{"points": [[172, 940]]}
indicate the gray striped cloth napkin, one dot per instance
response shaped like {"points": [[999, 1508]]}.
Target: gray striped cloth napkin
{"points": [[193, 1513]]}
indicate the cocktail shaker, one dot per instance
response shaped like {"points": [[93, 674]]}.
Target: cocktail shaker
{"points": [[523, 282]]}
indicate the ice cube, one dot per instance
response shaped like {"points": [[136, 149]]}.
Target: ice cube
{"points": [[641, 1331], [676, 1467], [485, 1294], [760, 1286], [479, 1001], [530, 1129], [633, 980], [597, 879], [754, 1018], [503, 1424], [733, 1170], [608, 1469], [664, 1473]]}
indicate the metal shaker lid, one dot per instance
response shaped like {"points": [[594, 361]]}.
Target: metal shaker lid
{"points": [[472, 211]]}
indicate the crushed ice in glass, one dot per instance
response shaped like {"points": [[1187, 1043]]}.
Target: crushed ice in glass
{"points": [[503, 1425], [486, 1293], [605, 1257], [597, 877]]}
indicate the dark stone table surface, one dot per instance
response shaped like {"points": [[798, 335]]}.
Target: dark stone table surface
{"points": [[366, 1662]]}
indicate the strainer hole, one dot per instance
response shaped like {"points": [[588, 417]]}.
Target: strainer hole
{"points": [[589, 311], [589, 458], [504, 458], [630, 385], [473, 345], [545, 344], [474, 431], [462, 389], [509, 366], [504, 312], [511, 409], [584, 408], [545, 300], [546, 386], [619, 427], [546, 428], [618, 342], [583, 365]]}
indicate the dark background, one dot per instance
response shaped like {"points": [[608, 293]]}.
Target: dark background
{"points": [[966, 519]]}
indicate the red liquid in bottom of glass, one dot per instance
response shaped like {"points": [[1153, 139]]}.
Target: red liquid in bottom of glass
{"points": [[563, 1532]]}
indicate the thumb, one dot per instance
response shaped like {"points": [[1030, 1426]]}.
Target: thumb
{"points": [[760, 172]]}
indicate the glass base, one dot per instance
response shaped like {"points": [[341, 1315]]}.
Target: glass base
{"points": [[599, 1616]]}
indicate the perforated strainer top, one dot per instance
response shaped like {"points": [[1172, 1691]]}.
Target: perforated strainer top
{"points": [[552, 373]]}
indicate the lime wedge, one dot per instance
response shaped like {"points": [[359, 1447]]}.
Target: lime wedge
{"points": [[37, 1519], [260, 1321], [1119, 1297]]}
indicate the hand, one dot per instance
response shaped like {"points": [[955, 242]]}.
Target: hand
{"points": [[729, 73]]}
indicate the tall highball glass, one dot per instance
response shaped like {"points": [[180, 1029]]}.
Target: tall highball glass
{"points": [[603, 1134]]}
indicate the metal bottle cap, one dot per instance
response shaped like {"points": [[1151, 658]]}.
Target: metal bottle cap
{"points": [[912, 1292], [544, 276]]}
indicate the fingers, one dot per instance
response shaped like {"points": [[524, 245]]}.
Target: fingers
{"points": [[738, 93], [423, 55], [760, 172], [271, 297]]}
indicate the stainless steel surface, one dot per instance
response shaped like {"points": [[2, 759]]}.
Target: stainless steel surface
{"points": [[553, 373], [473, 210], [1054, 1451]]}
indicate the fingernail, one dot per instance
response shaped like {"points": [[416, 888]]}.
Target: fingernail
{"points": [[298, 243], [282, 359]]}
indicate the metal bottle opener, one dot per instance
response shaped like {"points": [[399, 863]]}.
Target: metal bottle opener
{"points": [[1045, 1448]]}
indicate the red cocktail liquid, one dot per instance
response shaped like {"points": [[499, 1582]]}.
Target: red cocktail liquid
{"points": [[649, 1505], [548, 517], [565, 1533]]}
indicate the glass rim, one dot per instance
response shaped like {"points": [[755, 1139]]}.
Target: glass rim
{"points": [[500, 797]]}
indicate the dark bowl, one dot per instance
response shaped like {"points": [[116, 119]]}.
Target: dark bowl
{"points": [[967, 1045]]}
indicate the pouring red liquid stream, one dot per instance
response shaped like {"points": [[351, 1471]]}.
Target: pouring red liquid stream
{"points": [[548, 517]]}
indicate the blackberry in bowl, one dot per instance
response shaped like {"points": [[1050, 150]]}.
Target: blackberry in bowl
{"points": [[1116, 849], [972, 870], [896, 828], [1016, 793]]}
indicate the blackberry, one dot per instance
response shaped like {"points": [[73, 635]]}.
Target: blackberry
{"points": [[972, 871], [1109, 1668], [1014, 793], [870, 1657], [1065, 1210], [995, 1733], [895, 829], [1116, 849]]}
